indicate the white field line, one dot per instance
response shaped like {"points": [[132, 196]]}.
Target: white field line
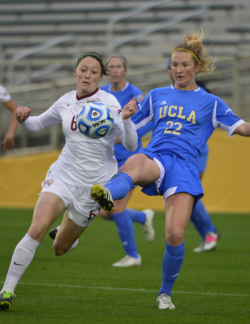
{"points": [[132, 289]]}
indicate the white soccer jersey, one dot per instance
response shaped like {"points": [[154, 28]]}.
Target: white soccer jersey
{"points": [[83, 161], [4, 96]]}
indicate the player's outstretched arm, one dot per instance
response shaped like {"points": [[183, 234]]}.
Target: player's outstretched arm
{"points": [[243, 129]]}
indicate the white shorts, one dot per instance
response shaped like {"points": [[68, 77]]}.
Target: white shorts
{"points": [[81, 208]]}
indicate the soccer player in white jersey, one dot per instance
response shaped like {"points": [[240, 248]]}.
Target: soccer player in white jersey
{"points": [[124, 217], [184, 116], [82, 162], [10, 104]]}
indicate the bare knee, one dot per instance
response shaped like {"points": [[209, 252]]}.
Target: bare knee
{"points": [[38, 232], [175, 237], [59, 249]]}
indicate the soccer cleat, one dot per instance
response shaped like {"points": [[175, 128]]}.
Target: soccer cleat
{"points": [[53, 232], [209, 243], [103, 196], [164, 302], [6, 300], [148, 226], [128, 261]]}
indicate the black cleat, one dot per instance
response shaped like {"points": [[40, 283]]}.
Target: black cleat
{"points": [[52, 233]]}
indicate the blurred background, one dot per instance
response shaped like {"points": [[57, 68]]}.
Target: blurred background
{"points": [[40, 42]]}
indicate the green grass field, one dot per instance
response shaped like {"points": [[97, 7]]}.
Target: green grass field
{"points": [[83, 287]]}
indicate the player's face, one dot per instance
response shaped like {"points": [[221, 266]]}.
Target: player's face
{"points": [[116, 70], [88, 74], [184, 70]]}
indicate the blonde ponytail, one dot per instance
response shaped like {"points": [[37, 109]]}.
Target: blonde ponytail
{"points": [[193, 44]]}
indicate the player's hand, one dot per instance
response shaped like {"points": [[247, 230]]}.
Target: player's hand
{"points": [[22, 113], [129, 109]]}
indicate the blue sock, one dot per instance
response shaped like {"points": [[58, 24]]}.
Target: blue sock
{"points": [[201, 220], [171, 264], [120, 185], [126, 232], [137, 216]]}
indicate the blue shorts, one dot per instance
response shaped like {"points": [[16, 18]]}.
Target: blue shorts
{"points": [[177, 175]]}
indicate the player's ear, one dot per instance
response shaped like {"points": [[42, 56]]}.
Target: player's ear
{"points": [[198, 67], [74, 72]]}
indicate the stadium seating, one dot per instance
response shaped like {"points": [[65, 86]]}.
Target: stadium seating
{"points": [[25, 25], [28, 23]]}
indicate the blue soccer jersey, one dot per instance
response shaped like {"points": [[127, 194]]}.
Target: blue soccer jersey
{"points": [[184, 120], [124, 96], [203, 155]]}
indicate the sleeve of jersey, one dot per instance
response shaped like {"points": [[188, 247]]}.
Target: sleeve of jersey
{"points": [[225, 118], [129, 138], [4, 95], [47, 119], [144, 114], [145, 129]]}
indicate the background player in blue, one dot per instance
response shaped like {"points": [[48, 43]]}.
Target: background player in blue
{"points": [[184, 116], [116, 67], [200, 217]]}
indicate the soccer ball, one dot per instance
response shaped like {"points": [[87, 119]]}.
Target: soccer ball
{"points": [[95, 120]]}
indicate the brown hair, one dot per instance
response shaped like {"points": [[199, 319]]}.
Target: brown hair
{"points": [[95, 56], [122, 58]]}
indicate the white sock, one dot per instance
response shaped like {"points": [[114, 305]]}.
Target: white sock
{"points": [[22, 256]]}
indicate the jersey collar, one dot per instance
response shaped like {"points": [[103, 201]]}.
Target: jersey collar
{"points": [[88, 95]]}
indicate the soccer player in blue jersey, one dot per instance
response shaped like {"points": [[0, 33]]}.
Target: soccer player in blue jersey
{"points": [[184, 117], [116, 66], [200, 217]]}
